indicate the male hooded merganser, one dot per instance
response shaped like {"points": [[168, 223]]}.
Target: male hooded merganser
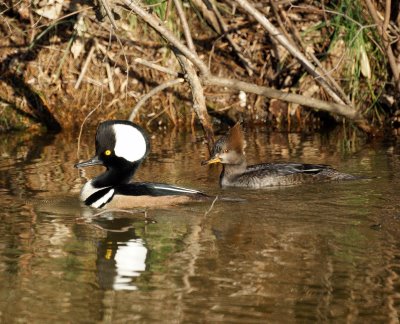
{"points": [[121, 146], [229, 150]]}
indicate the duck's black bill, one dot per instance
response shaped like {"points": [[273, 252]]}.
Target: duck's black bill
{"points": [[93, 161]]}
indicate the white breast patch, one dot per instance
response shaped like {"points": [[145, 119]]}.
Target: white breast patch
{"points": [[130, 143]]}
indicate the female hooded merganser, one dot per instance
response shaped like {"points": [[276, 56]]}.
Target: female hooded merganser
{"points": [[229, 150], [121, 146]]}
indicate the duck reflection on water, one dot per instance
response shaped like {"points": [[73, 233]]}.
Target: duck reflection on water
{"points": [[121, 254]]}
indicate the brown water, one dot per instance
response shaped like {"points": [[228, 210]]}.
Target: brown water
{"points": [[328, 252]]}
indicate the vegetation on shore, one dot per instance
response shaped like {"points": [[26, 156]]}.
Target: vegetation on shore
{"points": [[293, 65]]}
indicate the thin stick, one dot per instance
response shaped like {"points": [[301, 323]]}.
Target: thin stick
{"points": [[167, 10], [83, 123], [66, 52], [85, 66], [156, 66], [185, 25], [110, 78], [211, 207], [110, 15], [151, 93]]}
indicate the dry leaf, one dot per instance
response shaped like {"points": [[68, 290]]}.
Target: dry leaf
{"points": [[364, 62], [51, 10]]}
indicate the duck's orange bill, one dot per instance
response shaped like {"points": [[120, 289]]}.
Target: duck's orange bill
{"points": [[211, 161]]}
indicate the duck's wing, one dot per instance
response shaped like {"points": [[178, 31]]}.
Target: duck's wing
{"points": [[155, 189], [283, 169]]}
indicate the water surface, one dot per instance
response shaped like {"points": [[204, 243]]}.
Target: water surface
{"points": [[326, 252]]}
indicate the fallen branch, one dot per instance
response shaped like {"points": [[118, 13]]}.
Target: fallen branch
{"points": [[331, 107]]}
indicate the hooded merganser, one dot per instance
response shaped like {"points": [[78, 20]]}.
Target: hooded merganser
{"points": [[229, 150], [121, 146]]}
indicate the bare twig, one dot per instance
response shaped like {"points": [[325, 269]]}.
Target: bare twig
{"points": [[199, 102], [155, 66], [167, 11], [110, 78], [387, 17], [85, 66], [56, 75], [151, 93], [83, 123], [110, 15], [185, 25], [327, 74], [211, 207], [204, 7]]}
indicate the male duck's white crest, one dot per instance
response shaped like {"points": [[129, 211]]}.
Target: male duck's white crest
{"points": [[130, 142]]}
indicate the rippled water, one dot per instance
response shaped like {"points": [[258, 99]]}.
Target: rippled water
{"points": [[327, 252]]}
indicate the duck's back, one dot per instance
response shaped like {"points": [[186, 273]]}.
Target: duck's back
{"points": [[284, 174]]}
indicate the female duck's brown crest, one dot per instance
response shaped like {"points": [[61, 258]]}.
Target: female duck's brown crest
{"points": [[236, 139]]}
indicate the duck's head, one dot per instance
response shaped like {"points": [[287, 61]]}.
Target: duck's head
{"points": [[120, 146], [229, 149]]}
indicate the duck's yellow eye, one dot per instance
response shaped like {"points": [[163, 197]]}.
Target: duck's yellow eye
{"points": [[107, 152]]}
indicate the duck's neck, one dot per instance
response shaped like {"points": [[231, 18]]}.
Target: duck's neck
{"points": [[115, 176], [230, 171]]}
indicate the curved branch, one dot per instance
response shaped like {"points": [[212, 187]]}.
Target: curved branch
{"points": [[151, 93]]}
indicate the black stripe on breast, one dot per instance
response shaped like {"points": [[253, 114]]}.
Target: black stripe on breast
{"points": [[93, 198]]}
